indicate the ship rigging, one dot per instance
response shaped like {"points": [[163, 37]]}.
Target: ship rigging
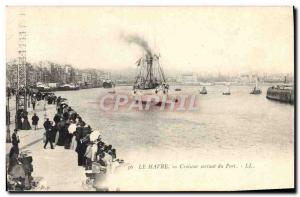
{"points": [[150, 75]]}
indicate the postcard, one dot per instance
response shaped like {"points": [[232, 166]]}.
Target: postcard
{"points": [[129, 98]]}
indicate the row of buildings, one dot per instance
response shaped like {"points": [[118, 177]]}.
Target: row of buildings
{"points": [[193, 78], [49, 72]]}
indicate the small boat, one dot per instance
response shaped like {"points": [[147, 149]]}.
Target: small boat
{"points": [[203, 91], [177, 89], [227, 92], [256, 90], [108, 83]]}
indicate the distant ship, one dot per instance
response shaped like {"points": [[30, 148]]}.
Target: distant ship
{"points": [[227, 92], [203, 91], [256, 90], [108, 83], [150, 78], [68, 87], [282, 93]]}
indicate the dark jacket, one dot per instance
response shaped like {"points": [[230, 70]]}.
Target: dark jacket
{"points": [[35, 119], [47, 125], [56, 118], [15, 139]]}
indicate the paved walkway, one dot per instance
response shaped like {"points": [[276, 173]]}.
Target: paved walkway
{"points": [[56, 169]]}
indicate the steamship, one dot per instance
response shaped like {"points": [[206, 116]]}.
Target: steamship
{"points": [[108, 83], [150, 78], [282, 93]]}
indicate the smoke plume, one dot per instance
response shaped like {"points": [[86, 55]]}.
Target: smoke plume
{"points": [[136, 39]]}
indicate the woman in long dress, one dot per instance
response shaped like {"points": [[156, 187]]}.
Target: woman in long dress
{"points": [[25, 124], [62, 133]]}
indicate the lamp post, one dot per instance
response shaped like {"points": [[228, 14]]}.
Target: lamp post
{"points": [[28, 95], [8, 138], [45, 110], [7, 105]]}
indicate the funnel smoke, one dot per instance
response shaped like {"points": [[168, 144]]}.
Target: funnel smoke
{"points": [[135, 39]]}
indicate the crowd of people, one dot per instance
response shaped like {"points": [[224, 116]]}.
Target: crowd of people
{"points": [[22, 122], [68, 129], [19, 167]]}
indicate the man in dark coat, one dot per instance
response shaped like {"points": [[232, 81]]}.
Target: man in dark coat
{"points": [[47, 124], [15, 140], [35, 120], [81, 146], [48, 128], [56, 118]]}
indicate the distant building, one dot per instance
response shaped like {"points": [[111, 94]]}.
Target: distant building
{"points": [[188, 78], [86, 77], [46, 72], [78, 76], [106, 75], [69, 74], [247, 78]]}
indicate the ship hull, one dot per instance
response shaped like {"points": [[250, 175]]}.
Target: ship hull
{"points": [[226, 93], [282, 95], [150, 95], [107, 85], [255, 92]]}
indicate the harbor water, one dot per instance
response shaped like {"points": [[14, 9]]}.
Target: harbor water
{"points": [[236, 128]]}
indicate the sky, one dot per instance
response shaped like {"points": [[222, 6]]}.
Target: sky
{"points": [[228, 40]]}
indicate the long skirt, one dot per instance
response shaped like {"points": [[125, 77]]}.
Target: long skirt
{"points": [[81, 149], [19, 123], [61, 138], [26, 125], [68, 141]]}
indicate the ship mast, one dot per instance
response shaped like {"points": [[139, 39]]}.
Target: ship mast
{"points": [[149, 72], [256, 83]]}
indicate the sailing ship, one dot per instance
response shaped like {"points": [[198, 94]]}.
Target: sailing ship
{"points": [[150, 78], [256, 89], [203, 91], [227, 91]]}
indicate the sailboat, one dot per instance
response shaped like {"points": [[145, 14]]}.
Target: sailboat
{"points": [[203, 91], [150, 78], [227, 92], [256, 90]]}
